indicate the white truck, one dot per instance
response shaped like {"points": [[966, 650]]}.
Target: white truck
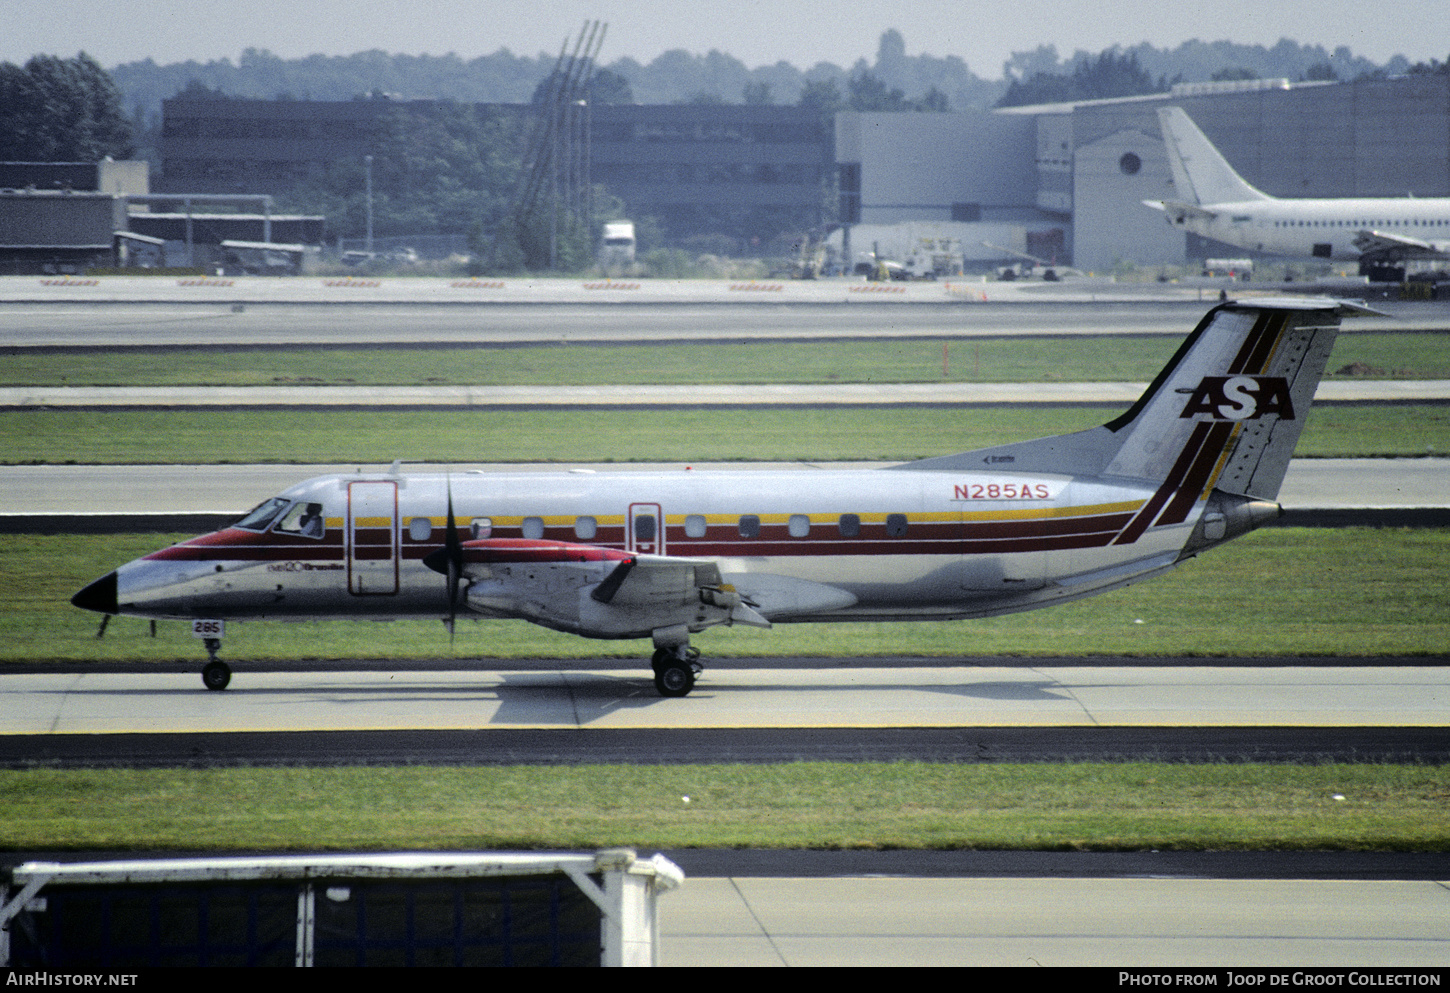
{"points": [[616, 245]]}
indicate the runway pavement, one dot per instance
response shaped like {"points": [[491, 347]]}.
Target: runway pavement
{"points": [[443, 291], [813, 395], [342, 324], [1104, 923], [344, 320], [416, 290], [856, 696]]}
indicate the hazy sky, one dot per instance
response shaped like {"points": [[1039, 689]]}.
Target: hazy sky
{"points": [[758, 32]]}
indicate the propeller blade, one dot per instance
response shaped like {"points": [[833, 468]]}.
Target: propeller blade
{"points": [[448, 560]]}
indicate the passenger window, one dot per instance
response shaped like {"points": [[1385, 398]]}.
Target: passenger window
{"points": [[533, 527], [481, 527], [750, 526], [420, 529], [800, 525], [850, 526], [304, 519], [585, 528], [895, 525], [695, 526]]}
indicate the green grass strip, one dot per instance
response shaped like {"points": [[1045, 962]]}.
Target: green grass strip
{"points": [[988, 360], [1063, 807], [839, 434], [1276, 592]]}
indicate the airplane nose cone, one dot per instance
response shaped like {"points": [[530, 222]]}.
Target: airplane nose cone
{"points": [[100, 596]]}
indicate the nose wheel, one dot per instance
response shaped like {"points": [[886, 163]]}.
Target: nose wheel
{"points": [[675, 670], [216, 674]]}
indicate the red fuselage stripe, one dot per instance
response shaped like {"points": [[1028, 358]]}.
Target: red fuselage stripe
{"points": [[922, 538]]}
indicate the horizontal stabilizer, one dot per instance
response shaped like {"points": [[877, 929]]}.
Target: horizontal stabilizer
{"points": [[1179, 210]]}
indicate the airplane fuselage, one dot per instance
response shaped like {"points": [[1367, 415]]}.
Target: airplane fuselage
{"points": [[1324, 229], [801, 545]]}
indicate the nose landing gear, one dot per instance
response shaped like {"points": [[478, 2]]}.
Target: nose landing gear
{"points": [[216, 674]]}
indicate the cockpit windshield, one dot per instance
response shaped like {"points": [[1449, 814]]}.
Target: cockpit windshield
{"points": [[290, 518], [262, 515]]}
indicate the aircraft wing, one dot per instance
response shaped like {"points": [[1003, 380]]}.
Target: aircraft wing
{"points": [[544, 581], [1390, 246]]}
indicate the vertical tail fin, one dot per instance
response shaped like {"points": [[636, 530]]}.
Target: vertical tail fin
{"points": [[1200, 174], [1225, 413]]}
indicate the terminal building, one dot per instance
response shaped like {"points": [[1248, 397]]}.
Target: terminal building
{"points": [[692, 167], [700, 169]]}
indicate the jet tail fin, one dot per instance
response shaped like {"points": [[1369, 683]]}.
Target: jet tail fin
{"points": [[1200, 174], [1225, 413]]}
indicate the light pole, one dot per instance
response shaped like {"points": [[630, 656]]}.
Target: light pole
{"points": [[368, 162]]}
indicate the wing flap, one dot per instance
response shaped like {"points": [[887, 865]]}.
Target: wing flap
{"points": [[655, 580]]}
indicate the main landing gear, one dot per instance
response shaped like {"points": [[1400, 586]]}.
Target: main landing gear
{"points": [[676, 668], [216, 674]]}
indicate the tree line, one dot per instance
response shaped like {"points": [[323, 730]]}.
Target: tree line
{"points": [[62, 110], [679, 76]]}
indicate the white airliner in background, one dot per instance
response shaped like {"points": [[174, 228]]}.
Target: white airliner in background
{"points": [[1214, 201], [663, 555]]}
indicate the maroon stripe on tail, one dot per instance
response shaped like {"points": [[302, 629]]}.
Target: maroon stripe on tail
{"points": [[1197, 476], [1259, 345], [1155, 503]]}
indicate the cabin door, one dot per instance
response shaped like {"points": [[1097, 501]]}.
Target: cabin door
{"points": [[372, 538], [645, 529]]}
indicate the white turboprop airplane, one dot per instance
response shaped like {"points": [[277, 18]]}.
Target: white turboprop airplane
{"points": [[1214, 201], [1197, 460]]}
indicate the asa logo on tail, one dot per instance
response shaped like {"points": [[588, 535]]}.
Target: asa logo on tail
{"points": [[1240, 398]]}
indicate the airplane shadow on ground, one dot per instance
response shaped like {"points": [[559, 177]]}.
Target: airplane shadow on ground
{"points": [[595, 696], [565, 697]]}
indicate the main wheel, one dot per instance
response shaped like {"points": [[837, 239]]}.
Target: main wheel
{"points": [[216, 675], [674, 678]]}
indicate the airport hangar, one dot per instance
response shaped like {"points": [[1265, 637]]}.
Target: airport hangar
{"points": [[1067, 182]]}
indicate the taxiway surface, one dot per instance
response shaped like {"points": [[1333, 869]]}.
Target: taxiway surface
{"points": [[730, 697], [886, 921], [233, 489], [351, 321]]}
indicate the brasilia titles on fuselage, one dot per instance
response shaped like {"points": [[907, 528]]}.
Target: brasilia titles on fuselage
{"points": [[1196, 461]]}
